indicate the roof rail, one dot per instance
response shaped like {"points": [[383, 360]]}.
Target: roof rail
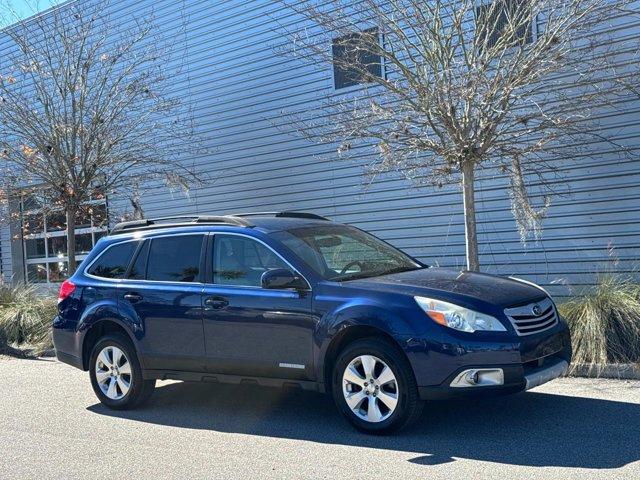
{"points": [[284, 214], [150, 223], [236, 219]]}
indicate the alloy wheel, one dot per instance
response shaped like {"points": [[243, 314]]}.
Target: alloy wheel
{"points": [[370, 388], [113, 372]]}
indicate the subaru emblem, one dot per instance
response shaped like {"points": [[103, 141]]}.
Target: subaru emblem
{"points": [[536, 310]]}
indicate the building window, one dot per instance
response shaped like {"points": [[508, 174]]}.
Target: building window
{"points": [[496, 16], [44, 237], [353, 61]]}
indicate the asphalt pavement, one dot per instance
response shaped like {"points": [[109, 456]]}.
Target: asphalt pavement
{"points": [[52, 427]]}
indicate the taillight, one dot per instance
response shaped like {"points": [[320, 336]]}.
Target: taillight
{"points": [[66, 289]]}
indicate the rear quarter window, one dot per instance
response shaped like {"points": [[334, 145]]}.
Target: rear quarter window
{"points": [[113, 262]]}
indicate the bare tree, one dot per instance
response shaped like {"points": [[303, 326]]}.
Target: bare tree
{"points": [[450, 87], [87, 108]]}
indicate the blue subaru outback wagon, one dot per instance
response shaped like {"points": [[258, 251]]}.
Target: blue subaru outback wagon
{"points": [[293, 299]]}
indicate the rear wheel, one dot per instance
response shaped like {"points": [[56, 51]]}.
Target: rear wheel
{"points": [[374, 387], [116, 375]]}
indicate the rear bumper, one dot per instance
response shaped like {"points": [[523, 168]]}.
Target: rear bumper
{"points": [[67, 344], [69, 359]]}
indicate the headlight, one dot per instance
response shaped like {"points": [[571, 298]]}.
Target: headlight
{"points": [[457, 317]]}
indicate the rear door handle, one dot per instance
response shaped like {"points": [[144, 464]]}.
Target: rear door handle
{"points": [[216, 303], [133, 297]]}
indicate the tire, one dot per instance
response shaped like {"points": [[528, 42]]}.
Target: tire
{"points": [[112, 390], [388, 417]]}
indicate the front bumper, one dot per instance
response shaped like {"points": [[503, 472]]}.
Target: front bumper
{"points": [[525, 363], [517, 378], [545, 374]]}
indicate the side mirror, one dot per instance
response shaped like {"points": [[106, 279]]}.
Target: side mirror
{"points": [[281, 278]]}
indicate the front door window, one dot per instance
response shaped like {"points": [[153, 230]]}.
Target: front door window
{"points": [[242, 261]]}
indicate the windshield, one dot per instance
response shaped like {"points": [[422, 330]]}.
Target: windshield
{"points": [[340, 252]]}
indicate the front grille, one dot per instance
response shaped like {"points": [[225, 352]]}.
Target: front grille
{"points": [[533, 318]]}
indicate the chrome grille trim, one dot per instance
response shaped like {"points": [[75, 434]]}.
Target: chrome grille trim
{"points": [[525, 322]]}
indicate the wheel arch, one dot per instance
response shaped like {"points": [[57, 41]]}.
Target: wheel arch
{"points": [[345, 336], [98, 330]]}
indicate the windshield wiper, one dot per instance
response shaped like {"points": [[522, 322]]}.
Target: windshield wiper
{"points": [[376, 273], [400, 270]]}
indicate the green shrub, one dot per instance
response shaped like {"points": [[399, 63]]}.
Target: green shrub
{"points": [[25, 318], [605, 323]]}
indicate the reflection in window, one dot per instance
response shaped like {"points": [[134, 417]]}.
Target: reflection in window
{"points": [[35, 248], [37, 272], [353, 59], [114, 261], [84, 243], [83, 219], [56, 222], [501, 17], [242, 261], [58, 272], [139, 267], [58, 246], [340, 252], [98, 214], [175, 259]]}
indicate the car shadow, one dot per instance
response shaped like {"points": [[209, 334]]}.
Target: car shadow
{"points": [[533, 429]]}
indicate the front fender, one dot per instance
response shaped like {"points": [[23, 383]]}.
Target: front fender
{"points": [[389, 316]]}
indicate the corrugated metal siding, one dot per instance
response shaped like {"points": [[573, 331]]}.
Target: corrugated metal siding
{"points": [[6, 270], [239, 87]]}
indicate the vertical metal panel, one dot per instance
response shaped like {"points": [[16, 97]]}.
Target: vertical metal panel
{"points": [[6, 270]]}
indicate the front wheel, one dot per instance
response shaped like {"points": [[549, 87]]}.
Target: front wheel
{"points": [[374, 387], [116, 375]]}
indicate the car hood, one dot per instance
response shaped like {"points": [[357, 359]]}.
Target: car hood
{"points": [[447, 284]]}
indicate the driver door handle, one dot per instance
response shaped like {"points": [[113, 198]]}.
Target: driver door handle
{"points": [[216, 303]]}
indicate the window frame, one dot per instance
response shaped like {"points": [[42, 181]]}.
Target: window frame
{"points": [[210, 257]]}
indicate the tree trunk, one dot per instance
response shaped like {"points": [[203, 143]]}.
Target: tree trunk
{"points": [[71, 238], [471, 236]]}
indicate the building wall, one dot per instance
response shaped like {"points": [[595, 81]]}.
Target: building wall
{"points": [[239, 88], [5, 254]]}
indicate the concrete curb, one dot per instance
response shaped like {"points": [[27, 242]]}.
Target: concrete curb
{"points": [[623, 371]]}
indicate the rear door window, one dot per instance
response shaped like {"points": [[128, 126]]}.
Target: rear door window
{"points": [[114, 261], [175, 259]]}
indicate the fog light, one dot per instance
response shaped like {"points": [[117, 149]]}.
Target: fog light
{"points": [[479, 377], [473, 377]]}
